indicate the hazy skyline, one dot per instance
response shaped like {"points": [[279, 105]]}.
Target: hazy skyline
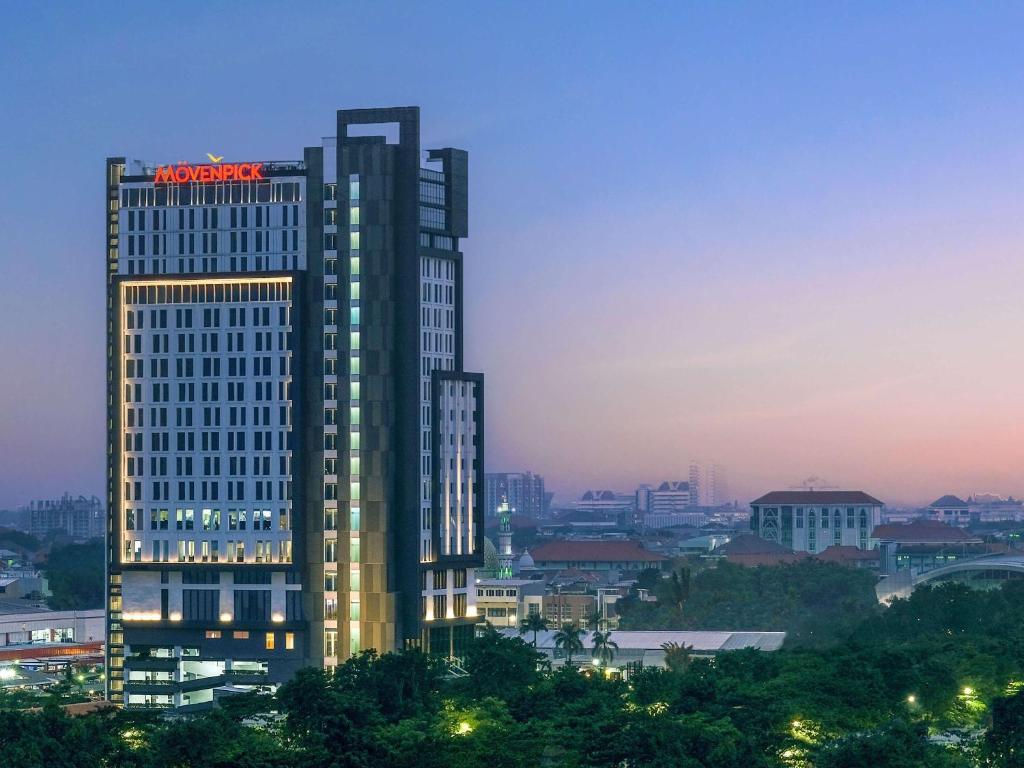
{"points": [[788, 238]]}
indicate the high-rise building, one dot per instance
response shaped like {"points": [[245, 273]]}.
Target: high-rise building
{"points": [[709, 484], [524, 492], [295, 453], [718, 482], [79, 517]]}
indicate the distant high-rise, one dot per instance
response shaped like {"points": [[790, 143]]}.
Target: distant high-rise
{"points": [[295, 451], [709, 484], [524, 492], [80, 517], [718, 481]]}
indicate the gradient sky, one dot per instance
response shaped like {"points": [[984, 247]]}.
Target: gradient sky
{"points": [[785, 236]]}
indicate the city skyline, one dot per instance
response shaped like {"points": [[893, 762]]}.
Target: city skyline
{"points": [[797, 254]]}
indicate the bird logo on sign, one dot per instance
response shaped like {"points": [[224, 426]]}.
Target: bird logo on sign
{"points": [[213, 158]]}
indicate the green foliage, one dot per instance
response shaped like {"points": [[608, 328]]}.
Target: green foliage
{"points": [[895, 745], [75, 575], [569, 640], [501, 667], [604, 648], [872, 699], [12, 539], [818, 604], [1003, 746], [534, 622]]}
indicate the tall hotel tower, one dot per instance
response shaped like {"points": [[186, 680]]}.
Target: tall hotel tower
{"points": [[295, 454]]}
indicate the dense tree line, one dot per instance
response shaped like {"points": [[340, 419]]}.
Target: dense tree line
{"points": [[818, 604], [74, 573], [948, 660]]}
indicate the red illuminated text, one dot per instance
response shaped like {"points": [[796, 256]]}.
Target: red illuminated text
{"points": [[202, 174]]}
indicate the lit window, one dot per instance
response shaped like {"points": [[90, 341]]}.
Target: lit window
{"points": [[213, 634], [240, 635], [268, 643], [289, 641]]}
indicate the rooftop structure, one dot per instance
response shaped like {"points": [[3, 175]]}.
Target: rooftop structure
{"points": [[647, 647], [595, 555]]}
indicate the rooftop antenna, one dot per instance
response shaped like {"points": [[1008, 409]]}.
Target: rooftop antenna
{"points": [[813, 483]]}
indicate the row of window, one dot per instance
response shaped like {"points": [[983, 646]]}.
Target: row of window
{"points": [[209, 490], [209, 551], [202, 292], [212, 243], [210, 391], [220, 193], [269, 639], [185, 519], [208, 218]]}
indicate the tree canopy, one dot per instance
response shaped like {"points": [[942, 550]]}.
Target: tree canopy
{"points": [[947, 660]]}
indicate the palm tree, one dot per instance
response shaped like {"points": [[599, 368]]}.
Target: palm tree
{"points": [[677, 657], [594, 620], [568, 639], [604, 648], [535, 623], [679, 589]]}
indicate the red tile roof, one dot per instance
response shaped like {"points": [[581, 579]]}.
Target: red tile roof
{"points": [[846, 554], [816, 497], [920, 532], [756, 559], [593, 552]]}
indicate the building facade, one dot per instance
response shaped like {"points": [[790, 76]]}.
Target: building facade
{"points": [[506, 602], [951, 510], [80, 517], [709, 484], [523, 491], [295, 453], [656, 506], [595, 556], [811, 521]]}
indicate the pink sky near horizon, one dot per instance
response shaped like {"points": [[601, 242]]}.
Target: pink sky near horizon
{"points": [[789, 239]]}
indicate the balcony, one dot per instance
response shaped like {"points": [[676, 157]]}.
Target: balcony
{"points": [[151, 663]]}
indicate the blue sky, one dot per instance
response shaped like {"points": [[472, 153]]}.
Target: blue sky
{"points": [[783, 236]]}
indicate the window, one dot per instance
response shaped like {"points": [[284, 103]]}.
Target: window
{"points": [[268, 642], [331, 642], [289, 641], [213, 634], [240, 635]]}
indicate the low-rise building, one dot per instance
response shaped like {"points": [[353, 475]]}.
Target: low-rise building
{"points": [[25, 625], [648, 648], [505, 602], [951, 510], [608, 504], [673, 519], [750, 550], [581, 608], [595, 555], [992, 508], [811, 521], [923, 545]]}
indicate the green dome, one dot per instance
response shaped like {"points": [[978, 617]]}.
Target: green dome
{"points": [[490, 556]]}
